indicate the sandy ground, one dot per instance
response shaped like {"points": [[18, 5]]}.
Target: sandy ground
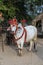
{"points": [[10, 57]]}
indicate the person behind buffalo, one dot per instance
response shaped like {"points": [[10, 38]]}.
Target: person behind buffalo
{"points": [[9, 35]]}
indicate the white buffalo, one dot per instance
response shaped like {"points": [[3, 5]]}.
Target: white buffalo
{"points": [[24, 34]]}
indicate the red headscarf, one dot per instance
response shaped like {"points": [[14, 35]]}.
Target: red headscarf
{"points": [[13, 22], [23, 21]]}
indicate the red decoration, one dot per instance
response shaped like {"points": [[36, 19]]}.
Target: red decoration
{"points": [[24, 20], [13, 22]]}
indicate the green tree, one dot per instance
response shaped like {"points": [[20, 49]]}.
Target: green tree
{"points": [[15, 8]]}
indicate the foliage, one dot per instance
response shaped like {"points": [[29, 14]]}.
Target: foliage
{"points": [[22, 10], [12, 8], [12, 12], [15, 8]]}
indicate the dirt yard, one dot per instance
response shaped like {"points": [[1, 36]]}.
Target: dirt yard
{"points": [[10, 57]]}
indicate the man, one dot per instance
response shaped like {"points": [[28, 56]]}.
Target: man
{"points": [[10, 35]]}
